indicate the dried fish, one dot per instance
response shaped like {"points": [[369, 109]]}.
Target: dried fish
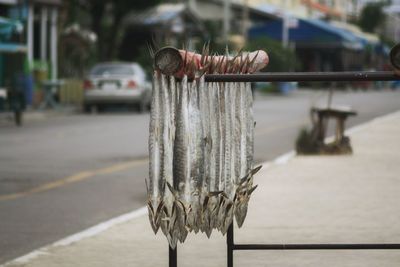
{"points": [[167, 156], [196, 148], [201, 146], [182, 162], [155, 185], [245, 189]]}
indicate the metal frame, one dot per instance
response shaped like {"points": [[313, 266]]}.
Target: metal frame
{"points": [[172, 257], [231, 246], [298, 77], [348, 76]]}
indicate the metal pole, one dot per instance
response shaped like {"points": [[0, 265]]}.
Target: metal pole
{"points": [[315, 246], [226, 27], [395, 26], [229, 246], [173, 258], [43, 34], [30, 33], [192, 5], [285, 26], [305, 76], [53, 44], [245, 20]]}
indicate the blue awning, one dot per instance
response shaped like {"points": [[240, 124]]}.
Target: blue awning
{"points": [[367, 39], [9, 26], [12, 48], [309, 33]]}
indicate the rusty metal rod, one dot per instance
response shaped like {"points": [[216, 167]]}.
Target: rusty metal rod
{"points": [[347, 76]]}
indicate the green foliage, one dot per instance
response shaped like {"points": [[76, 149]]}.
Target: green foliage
{"points": [[213, 29], [280, 58], [387, 41], [145, 60], [106, 18], [372, 16]]}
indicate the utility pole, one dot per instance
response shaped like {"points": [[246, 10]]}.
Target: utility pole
{"points": [[227, 20], [395, 26], [43, 34], [54, 43], [285, 26], [192, 5], [29, 33], [245, 19]]}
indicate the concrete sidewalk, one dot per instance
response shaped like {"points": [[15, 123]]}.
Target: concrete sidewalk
{"points": [[311, 199]]}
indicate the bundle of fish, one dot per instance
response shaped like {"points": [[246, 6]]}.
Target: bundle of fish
{"points": [[200, 143]]}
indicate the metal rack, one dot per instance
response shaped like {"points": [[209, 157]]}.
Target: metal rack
{"points": [[301, 77], [231, 246], [349, 76]]}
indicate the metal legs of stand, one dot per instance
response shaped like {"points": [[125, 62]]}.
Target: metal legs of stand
{"points": [[229, 246], [173, 259]]}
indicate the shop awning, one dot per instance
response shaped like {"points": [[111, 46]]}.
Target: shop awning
{"points": [[8, 27], [309, 33], [365, 37], [12, 48]]}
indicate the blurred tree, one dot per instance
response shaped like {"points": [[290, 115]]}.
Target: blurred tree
{"points": [[280, 58], [372, 16], [106, 18]]}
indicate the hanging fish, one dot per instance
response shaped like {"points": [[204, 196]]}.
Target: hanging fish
{"points": [[200, 143], [155, 184], [167, 92], [182, 163], [245, 187]]}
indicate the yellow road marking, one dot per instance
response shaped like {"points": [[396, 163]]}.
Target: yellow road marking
{"points": [[74, 178], [111, 169]]}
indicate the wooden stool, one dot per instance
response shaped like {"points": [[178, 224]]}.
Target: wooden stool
{"points": [[320, 117]]}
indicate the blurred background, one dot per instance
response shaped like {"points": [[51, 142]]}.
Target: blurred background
{"points": [[48, 40], [78, 68]]}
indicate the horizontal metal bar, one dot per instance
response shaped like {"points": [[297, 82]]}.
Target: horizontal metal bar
{"points": [[313, 246], [305, 76]]}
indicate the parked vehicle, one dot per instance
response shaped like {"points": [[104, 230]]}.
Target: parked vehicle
{"points": [[116, 83]]}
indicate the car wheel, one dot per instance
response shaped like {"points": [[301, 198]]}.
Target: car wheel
{"points": [[18, 117], [86, 108], [141, 107], [93, 109], [101, 108]]}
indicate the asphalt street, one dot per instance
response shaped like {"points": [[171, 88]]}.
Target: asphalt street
{"points": [[63, 174]]}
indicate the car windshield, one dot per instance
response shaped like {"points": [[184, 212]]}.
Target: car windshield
{"points": [[106, 70]]}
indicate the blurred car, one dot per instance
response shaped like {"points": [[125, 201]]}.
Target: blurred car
{"points": [[116, 83]]}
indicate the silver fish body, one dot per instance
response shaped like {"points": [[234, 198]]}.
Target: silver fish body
{"points": [[250, 127], [182, 161], [167, 92], [201, 156], [196, 148], [246, 188], [155, 185]]}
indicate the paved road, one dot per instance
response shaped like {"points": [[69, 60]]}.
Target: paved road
{"points": [[61, 175]]}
